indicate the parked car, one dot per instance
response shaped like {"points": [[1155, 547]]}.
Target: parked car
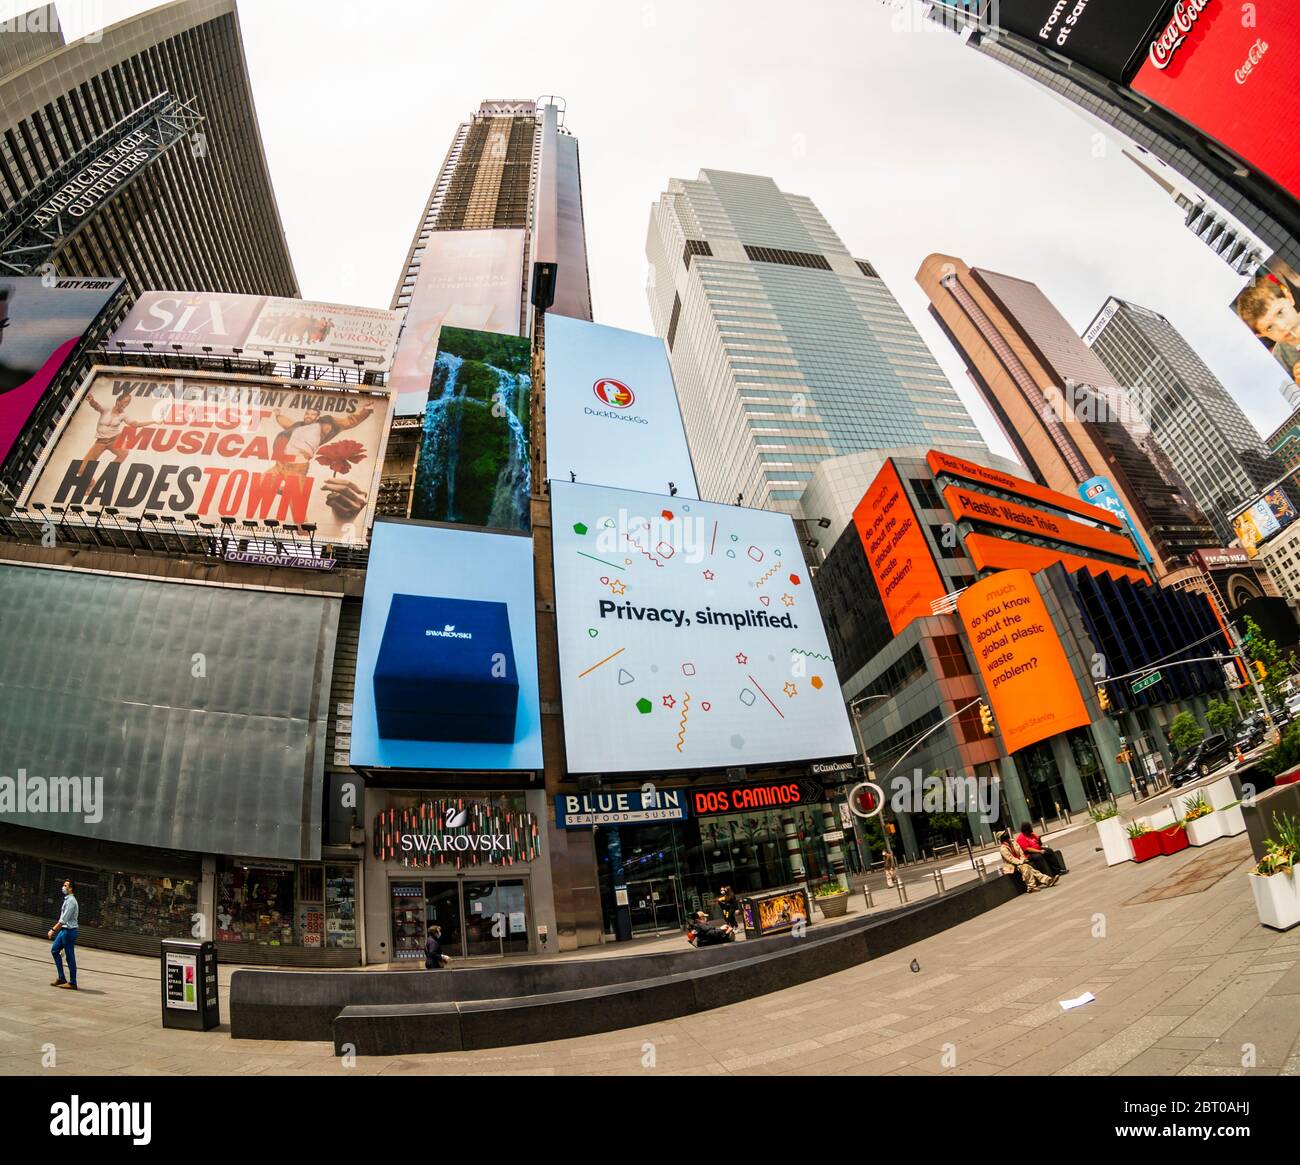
{"points": [[1251, 734], [1201, 760]]}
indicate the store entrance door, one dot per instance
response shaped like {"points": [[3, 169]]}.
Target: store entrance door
{"points": [[655, 905], [478, 917]]}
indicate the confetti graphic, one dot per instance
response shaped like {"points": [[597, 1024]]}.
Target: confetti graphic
{"points": [[767, 574], [604, 661], [681, 724], [765, 696]]}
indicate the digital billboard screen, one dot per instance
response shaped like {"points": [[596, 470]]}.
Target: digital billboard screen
{"points": [[469, 279], [1106, 36], [40, 327], [1269, 305], [245, 448], [1264, 518], [612, 416], [259, 326], [473, 465], [1232, 78], [689, 636], [896, 550], [1031, 687], [447, 655]]}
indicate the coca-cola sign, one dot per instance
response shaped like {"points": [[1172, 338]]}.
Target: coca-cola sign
{"points": [[1228, 72], [1257, 51], [1184, 18]]}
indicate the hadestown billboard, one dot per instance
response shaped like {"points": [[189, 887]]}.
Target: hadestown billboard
{"points": [[259, 326], [689, 636], [612, 416], [241, 447]]}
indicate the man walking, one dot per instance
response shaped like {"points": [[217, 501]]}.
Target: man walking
{"points": [[64, 935]]}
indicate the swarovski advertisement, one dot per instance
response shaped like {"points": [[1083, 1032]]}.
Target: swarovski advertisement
{"points": [[689, 636], [612, 416], [1270, 307], [469, 279], [447, 655], [259, 327], [474, 466], [1229, 71], [245, 448], [40, 327], [1105, 35]]}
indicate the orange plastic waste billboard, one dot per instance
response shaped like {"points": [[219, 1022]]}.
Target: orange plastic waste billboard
{"points": [[1030, 685], [978, 507], [897, 550], [990, 553]]}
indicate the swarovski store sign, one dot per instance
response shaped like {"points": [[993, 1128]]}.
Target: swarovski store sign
{"points": [[625, 807], [455, 832]]}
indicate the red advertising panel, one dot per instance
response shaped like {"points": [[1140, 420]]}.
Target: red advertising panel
{"points": [[897, 550], [970, 471], [988, 552], [978, 507], [1027, 675], [1229, 71]]}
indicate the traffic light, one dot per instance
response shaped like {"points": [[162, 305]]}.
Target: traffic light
{"points": [[1103, 698], [986, 719], [1260, 670]]}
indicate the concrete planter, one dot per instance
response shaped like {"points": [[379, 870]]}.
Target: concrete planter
{"points": [[1172, 839], [1232, 823], [833, 906], [1221, 793], [1206, 829], [1277, 899], [1145, 846], [1114, 841]]}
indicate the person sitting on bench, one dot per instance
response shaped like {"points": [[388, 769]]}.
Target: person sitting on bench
{"points": [[700, 934]]}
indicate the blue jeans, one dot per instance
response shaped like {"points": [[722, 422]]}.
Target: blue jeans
{"points": [[65, 940]]}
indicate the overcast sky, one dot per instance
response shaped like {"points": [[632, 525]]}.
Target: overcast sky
{"points": [[907, 141]]}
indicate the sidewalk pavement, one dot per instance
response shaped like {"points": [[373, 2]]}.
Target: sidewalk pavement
{"points": [[1187, 982]]}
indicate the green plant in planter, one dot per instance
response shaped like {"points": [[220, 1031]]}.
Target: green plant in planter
{"points": [[829, 890], [1196, 807], [1104, 812], [1282, 851], [1137, 828]]}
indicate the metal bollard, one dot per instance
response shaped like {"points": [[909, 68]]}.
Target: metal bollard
{"points": [[902, 894], [980, 870], [866, 895], [938, 881]]}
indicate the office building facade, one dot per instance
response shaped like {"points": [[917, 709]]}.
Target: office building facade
{"points": [[1055, 403], [786, 349], [1215, 450]]}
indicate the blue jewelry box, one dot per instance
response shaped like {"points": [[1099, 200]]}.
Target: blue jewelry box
{"points": [[446, 671]]}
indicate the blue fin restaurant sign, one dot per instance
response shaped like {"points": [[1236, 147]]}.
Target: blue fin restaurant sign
{"points": [[625, 807]]}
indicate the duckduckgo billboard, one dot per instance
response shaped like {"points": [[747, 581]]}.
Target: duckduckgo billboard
{"points": [[689, 636], [447, 655]]}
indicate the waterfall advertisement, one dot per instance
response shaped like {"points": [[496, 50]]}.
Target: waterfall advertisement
{"points": [[689, 636], [473, 466]]}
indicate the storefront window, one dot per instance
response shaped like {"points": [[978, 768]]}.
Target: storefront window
{"points": [[255, 904], [479, 917], [153, 905], [340, 906], [753, 851]]}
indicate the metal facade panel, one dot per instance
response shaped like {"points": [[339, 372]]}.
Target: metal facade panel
{"points": [[201, 708]]}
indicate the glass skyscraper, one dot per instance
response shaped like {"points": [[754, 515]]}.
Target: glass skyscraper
{"points": [[786, 349], [1215, 449]]}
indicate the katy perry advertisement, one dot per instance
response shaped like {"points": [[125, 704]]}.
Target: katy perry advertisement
{"points": [[246, 448]]}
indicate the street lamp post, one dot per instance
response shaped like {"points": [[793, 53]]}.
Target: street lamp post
{"points": [[854, 706]]}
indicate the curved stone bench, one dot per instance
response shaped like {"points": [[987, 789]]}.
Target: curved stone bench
{"points": [[387, 1012]]}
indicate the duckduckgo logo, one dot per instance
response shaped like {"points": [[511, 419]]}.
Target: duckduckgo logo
{"points": [[614, 393], [448, 632]]}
